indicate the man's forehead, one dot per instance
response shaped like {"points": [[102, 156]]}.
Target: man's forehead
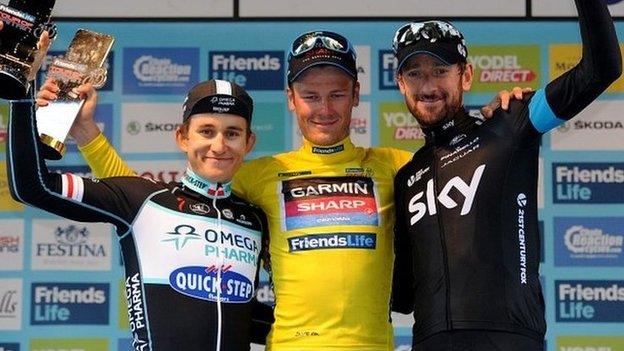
{"points": [[424, 59]]}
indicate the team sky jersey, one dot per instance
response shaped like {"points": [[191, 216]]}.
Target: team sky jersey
{"points": [[467, 239], [190, 250], [331, 213]]}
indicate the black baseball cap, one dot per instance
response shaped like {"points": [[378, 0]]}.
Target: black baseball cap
{"points": [[320, 48], [217, 96], [439, 39]]}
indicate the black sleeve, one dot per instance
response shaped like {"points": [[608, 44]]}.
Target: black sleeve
{"points": [[402, 275], [262, 317], [600, 65], [114, 200]]}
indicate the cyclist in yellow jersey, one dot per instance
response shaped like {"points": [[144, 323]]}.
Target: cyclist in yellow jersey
{"points": [[329, 206]]}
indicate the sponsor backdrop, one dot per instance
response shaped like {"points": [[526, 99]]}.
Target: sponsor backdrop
{"points": [[61, 284]]}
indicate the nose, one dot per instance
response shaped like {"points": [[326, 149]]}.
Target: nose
{"points": [[218, 144], [326, 108]]}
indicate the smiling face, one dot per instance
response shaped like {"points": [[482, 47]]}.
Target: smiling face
{"points": [[323, 99], [215, 144], [433, 90]]}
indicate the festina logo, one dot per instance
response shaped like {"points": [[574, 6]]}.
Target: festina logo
{"points": [[71, 241], [419, 208]]}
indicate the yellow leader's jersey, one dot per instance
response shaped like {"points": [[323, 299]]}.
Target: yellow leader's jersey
{"points": [[331, 215]]}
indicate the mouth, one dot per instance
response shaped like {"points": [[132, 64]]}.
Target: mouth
{"points": [[216, 159]]}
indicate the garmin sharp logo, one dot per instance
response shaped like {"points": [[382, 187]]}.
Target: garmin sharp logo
{"points": [[254, 70]]}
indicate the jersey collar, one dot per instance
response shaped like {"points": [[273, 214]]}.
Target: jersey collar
{"points": [[205, 187], [341, 151], [450, 128]]}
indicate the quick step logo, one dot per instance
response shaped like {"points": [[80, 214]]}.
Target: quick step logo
{"points": [[590, 301], [598, 183], [254, 70]]}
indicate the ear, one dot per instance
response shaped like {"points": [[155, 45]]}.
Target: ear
{"points": [[251, 142], [181, 139], [356, 93], [399, 79], [467, 77], [290, 94]]}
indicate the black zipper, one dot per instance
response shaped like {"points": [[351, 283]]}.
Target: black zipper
{"points": [[447, 283]]}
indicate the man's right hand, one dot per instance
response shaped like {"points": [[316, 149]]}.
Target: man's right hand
{"points": [[84, 129]]}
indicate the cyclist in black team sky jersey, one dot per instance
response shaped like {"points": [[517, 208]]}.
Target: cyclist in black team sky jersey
{"points": [[467, 241], [190, 249]]}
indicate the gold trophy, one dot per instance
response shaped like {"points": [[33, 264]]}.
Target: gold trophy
{"points": [[83, 63]]}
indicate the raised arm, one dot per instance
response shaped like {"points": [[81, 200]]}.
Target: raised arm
{"points": [[600, 65], [66, 195], [100, 155]]}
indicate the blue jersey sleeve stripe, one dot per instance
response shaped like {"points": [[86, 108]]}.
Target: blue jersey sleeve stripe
{"points": [[541, 115]]}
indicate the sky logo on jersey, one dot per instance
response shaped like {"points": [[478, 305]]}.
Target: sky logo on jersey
{"points": [[329, 201], [9, 346], [69, 304], [160, 70], [577, 183], [398, 128], [590, 343], [562, 57], [83, 344], [254, 70], [332, 241], [108, 65], [387, 69], [590, 301], [497, 66], [589, 241], [202, 283]]}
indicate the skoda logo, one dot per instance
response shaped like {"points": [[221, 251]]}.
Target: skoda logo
{"points": [[522, 200], [133, 128]]}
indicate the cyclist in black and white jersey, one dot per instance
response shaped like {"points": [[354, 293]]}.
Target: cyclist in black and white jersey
{"points": [[467, 252], [190, 249]]}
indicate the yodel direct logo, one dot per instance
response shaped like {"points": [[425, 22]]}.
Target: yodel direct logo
{"points": [[212, 283], [69, 303], [254, 70], [588, 183], [590, 301]]}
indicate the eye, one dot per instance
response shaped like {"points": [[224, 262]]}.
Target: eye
{"points": [[232, 134], [338, 95], [206, 132], [414, 74], [309, 98], [440, 71]]}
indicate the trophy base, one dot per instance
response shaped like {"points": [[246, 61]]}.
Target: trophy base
{"points": [[53, 149], [13, 83]]}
